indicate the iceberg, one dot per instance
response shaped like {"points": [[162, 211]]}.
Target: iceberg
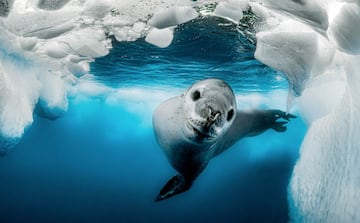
{"points": [[46, 47], [172, 17], [51, 4], [347, 39], [324, 186], [18, 94], [325, 182], [231, 10], [5, 7], [307, 11], [292, 53], [160, 37]]}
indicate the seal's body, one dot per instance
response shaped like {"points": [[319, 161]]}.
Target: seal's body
{"points": [[201, 124]]}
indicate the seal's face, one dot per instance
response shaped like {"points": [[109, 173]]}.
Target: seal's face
{"points": [[210, 109]]}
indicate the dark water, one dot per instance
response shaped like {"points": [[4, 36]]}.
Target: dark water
{"points": [[100, 162]]}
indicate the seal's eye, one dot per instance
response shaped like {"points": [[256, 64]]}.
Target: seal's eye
{"points": [[230, 115], [195, 95]]}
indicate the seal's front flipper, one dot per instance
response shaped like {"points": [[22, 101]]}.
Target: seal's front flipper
{"points": [[175, 185], [272, 117]]}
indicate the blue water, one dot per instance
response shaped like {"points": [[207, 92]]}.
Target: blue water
{"points": [[101, 163], [210, 47]]}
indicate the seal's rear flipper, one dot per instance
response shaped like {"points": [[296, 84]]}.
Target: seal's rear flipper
{"points": [[175, 185]]}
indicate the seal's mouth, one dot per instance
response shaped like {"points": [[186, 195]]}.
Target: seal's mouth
{"points": [[200, 135]]}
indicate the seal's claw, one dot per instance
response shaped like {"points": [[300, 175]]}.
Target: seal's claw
{"points": [[280, 126], [280, 114], [289, 116]]}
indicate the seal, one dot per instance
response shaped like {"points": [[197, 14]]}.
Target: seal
{"points": [[202, 123]]}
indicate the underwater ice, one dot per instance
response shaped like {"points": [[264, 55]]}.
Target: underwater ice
{"points": [[231, 10], [46, 47], [325, 185], [346, 37], [51, 4]]}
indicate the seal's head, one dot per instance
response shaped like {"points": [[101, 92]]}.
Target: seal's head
{"points": [[209, 109]]}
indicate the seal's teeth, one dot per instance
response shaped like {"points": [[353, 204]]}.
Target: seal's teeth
{"points": [[210, 112]]}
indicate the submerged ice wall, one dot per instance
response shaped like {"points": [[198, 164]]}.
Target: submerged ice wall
{"points": [[316, 46], [325, 186], [46, 47]]}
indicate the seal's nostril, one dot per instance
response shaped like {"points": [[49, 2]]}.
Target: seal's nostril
{"points": [[213, 115], [216, 115]]}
